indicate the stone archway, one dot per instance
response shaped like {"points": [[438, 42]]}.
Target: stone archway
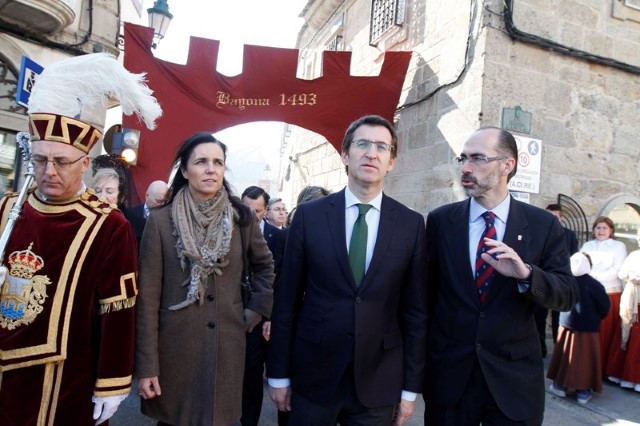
{"points": [[624, 210]]}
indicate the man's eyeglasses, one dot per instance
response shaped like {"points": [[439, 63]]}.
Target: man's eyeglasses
{"points": [[40, 162], [477, 159], [365, 145]]}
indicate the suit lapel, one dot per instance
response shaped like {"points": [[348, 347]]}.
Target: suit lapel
{"points": [[388, 216], [335, 215]]}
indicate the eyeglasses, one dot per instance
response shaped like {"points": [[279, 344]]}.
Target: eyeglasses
{"points": [[477, 159], [278, 209], [365, 145], [40, 162]]}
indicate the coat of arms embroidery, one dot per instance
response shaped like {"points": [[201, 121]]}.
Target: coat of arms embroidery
{"points": [[22, 293]]}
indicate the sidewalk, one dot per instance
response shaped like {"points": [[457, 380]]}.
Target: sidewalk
{"points": [[614, 407]]}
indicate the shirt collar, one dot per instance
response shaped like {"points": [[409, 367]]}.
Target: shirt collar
{"points": [[501, 210], [351, 200]]}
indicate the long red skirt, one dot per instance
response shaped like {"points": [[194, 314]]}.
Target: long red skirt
{"points": [[609, 329], [625, 364], [575, 363]]}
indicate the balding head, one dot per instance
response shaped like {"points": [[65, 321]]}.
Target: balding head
{"points": [[156, 193]]}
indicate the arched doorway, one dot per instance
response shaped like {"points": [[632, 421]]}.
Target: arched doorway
{"points": [[624, 210]]}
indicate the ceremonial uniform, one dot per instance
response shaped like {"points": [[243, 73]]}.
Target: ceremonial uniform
{"points": [[66, 310]]}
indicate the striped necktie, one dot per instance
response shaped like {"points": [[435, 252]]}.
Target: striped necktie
{"points": [[484, 271]]}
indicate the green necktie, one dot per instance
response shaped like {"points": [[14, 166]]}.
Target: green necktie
{"points": [[358, 244]]}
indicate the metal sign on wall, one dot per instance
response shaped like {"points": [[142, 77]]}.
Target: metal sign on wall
{"points": [[29, 70], [527, 179], [516, 119]]}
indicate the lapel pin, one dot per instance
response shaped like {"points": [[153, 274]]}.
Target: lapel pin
{"points": [[519, 237]]}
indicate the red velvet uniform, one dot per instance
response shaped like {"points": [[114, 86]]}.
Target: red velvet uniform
{"points": [[66, 310]]}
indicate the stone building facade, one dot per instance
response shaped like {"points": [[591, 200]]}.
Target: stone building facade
{"points": [[573, 65]]}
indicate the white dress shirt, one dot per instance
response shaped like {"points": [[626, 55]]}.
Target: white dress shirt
{"points": [[477, 225], [372, 217]]}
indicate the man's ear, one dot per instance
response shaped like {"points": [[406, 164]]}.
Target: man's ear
{"points": [[85, 164], [509, 165]]}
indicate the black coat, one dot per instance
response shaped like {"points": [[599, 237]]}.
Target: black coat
{"points": [[322, 321], [593, 306], [500, 335]]}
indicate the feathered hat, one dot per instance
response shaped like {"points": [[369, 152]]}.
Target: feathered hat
{"points": [[70, 93]]}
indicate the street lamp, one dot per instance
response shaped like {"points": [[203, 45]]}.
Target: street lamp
{"points": [[159, 19]]}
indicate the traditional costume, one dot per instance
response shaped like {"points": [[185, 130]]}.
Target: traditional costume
{"points": [[66, 317], [66, 305], [628, 337]]}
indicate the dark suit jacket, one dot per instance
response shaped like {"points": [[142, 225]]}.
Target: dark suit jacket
{"points": [[135, 216], [571, 241], [271, 234], [501, 333], [322, 322]]}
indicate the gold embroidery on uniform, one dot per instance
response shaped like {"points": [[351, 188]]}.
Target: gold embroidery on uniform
{"points": [[123, 391], [50, 393], [56, 392], [122, 300], [23, 293], [117, 306], [75, 247], [113, 382], [61, 306], [10, 202]]}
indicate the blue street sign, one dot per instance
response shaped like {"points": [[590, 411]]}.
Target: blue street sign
{"points": [[29, 70]]}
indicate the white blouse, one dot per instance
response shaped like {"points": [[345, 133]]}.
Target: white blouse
{"points": [[607, 257]]}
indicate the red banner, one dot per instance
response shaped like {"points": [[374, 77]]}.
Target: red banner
{"points": [[195, 97]]}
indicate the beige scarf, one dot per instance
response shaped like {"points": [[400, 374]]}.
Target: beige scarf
{"points": [[204, 237]]}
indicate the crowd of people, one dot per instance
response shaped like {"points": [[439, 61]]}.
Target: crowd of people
{"points": [[350, 305]]}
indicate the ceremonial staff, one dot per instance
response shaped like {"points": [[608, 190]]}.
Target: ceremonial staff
{"points": [[22, 138]]}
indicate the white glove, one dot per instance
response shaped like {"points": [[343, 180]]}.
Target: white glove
{"points": [[3, 274], [106, 406]]}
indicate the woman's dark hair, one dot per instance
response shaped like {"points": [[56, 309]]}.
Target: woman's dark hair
{"points": [[179, 181], [113, 161]]}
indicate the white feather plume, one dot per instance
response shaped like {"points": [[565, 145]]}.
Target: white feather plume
{"points": [[84, 82]]}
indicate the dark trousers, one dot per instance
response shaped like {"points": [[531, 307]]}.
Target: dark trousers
{"points": [[540, 316], [476, 406], [252, 389], [343, 408], [253, 386], [555, 323]]}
